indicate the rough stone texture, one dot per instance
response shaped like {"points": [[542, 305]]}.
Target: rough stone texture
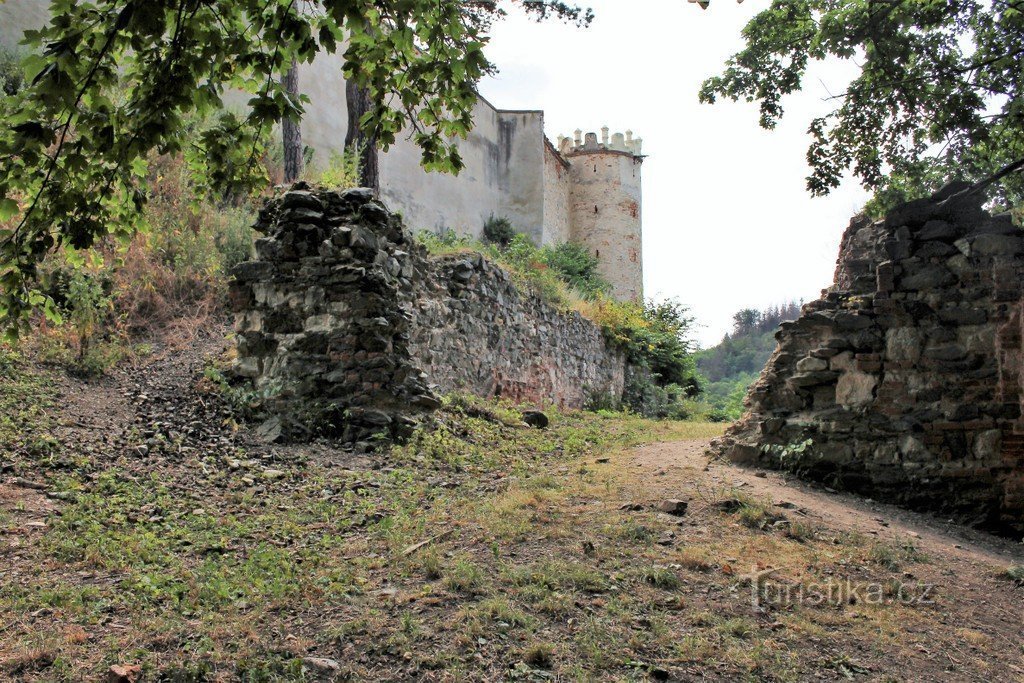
{"points": [[905, 377], [345, 323], [474, 330]]}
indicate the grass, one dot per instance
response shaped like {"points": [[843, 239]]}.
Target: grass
{"points": [[1014, 573], [894, 556], [26, 397], [529, 570]]}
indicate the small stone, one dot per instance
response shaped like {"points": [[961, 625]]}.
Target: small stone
{"points": [[272, 475], [673, 506], [122, 673], [536, 418], [463, 271], [320, 669], [270, 431]]}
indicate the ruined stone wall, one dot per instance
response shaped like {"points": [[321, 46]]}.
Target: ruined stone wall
{"points": [[474, 330], [903, 381], [344, 324]]}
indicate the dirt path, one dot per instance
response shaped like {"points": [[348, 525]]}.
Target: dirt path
{"points": [[670, 464], [961, 563]]}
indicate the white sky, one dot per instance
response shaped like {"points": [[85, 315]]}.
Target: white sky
{"points": [[728, 223]]}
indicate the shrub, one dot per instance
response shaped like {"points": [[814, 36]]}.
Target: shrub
{"points": [[342, 171], [498, 230], [577, 268], [655, 336]]}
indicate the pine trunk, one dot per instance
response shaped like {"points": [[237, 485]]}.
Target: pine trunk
{"points": [[292, 131], [359, 103]]}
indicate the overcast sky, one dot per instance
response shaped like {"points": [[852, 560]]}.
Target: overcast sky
{"points": [[728, 223]]}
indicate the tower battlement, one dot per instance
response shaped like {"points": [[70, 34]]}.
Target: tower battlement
{"points": [[590, 143]]}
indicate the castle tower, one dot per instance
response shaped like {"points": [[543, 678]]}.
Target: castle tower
{"points": [[605, 207]]}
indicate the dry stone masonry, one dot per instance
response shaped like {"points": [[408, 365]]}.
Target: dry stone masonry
{"points": [[903, 382], [347, 328]]}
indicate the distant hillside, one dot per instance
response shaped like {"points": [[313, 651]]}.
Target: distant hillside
{"points": [[731, 366]]}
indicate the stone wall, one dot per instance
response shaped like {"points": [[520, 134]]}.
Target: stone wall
{"points": [[475, 331], [903, 382], [345, 324]]}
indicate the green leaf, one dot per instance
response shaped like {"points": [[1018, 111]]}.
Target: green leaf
{"points": [[8, 209]]}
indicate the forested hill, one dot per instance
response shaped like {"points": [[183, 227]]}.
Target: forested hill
{"points": [[731, 366]]}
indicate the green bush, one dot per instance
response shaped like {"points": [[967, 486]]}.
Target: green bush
{"points": [[577, 267], [499, 231]]}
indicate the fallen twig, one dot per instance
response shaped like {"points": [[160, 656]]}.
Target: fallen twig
{"points": [[413, 548]]}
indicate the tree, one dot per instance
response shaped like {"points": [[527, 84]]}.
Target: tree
{"points": [[112, 81], [939, 94], [291, 130]]}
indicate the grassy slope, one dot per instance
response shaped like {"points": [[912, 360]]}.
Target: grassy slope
{"points": [[532, 569]]}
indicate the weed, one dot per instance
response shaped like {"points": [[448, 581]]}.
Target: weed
{"points": [[695, 559], [539, 655], [465, 576], [893, 556], [661, 577], [801, 531], [1014, 573], [736, 627], [430, 564]]}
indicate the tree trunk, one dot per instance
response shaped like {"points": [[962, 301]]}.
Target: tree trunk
{"points": [[291, 130], [358, 100]]}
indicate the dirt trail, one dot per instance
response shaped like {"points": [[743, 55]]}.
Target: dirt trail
{"points": [[668, 465], [984, 611]]}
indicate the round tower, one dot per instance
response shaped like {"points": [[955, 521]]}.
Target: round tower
{"points": [[605, 207]]}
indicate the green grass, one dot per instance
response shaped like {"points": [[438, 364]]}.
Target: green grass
{"points": [[211, 557], [893, 556], [26, 396]]}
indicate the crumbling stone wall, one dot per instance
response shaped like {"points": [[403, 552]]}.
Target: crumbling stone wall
{"points": [[345, 325], [903, 382], [475, 331]]}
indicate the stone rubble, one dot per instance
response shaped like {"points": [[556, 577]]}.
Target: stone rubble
{"points": [[903, 382]]}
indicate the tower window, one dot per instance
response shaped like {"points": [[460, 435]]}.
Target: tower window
{"points": [[597, 253], [595, 208]]}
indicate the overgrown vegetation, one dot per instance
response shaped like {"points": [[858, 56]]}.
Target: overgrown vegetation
{"points": [[112, 297], [656, 336], [729, 368]]}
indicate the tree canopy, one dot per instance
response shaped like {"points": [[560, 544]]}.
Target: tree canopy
{"points": [[109, 82], [938, 95]]}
